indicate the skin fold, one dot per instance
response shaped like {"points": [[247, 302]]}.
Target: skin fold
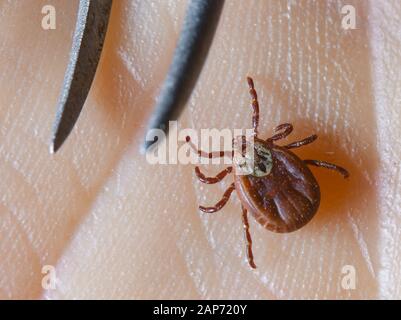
{"points": [[114, 226]]}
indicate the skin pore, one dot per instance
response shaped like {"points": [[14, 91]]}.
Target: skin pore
{"points": [[115, 226]]}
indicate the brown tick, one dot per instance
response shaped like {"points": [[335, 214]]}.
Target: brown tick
{"points": [[272, 183]]}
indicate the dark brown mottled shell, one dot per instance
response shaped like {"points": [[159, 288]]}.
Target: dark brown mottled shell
{"points": [[287, 198]]}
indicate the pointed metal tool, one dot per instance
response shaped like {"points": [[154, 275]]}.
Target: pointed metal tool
{"points": [[89, 35], [197, 33], [193, 46]]}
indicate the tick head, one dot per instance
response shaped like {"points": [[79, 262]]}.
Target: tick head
{"points": [[252, 158]]}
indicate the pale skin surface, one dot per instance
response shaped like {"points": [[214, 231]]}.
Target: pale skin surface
{"points": [[116, 227]]}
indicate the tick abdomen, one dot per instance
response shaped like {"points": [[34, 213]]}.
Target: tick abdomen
{"points": [[286, 199]]}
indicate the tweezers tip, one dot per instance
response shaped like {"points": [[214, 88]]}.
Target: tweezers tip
{"points": [[52, 149], [146, 146], [55, 145]]}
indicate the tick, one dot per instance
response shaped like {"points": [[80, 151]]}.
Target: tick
{"points": [[272, 183]]}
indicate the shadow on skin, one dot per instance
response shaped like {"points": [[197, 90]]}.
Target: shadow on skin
{"points": [[126, 95]]}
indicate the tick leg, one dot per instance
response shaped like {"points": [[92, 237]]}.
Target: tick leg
{"points": [[301, 143], [221, 203], [211, 180], [328, 165], [210, 155], [286, 130], [255, 105], [248, 238]]}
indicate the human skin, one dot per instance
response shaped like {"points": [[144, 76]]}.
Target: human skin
{"points": [[115, 226]]}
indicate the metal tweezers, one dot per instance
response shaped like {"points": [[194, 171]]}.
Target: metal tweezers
{"points": [[90, 32]]}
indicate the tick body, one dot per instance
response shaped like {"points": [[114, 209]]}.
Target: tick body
{"points": [[272, 183], [284, 200]]}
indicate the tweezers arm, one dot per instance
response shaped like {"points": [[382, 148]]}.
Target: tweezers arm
{"points": [[191, 52], [89, 35]]}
